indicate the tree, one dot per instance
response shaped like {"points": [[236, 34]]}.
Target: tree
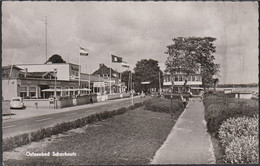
{"points": [[215, 82], [125, 78], [191, 54], [55, 59], [147, 71]]}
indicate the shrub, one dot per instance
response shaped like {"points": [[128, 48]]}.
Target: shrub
{"points": [[238, 127], [243, 150], [239, 138], [164, 105], [219, 109]]}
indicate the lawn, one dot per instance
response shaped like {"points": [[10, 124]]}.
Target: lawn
{"points": [[130, 138]]}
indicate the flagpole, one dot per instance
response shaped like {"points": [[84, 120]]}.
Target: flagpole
{"points": [[120, 82], [10, 74], [159, 84], [89, 79], [79, 70], [110, 73]]}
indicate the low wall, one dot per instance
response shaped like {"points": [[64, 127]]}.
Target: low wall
{"points": [[80, 100], [41, 103], [5, 107], [117, 96]]}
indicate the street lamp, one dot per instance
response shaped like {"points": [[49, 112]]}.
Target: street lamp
{"points": [[55, 88]]}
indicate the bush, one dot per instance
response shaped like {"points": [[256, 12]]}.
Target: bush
{"points": [[238, 127], [164, 105], [239, 138], [218, 109], [243, 150]]}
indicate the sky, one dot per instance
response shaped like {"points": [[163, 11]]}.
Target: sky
{"points": [[131, 30]]}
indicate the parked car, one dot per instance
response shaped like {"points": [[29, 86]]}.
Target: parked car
{"points": [[255, 95], [16, 102]]}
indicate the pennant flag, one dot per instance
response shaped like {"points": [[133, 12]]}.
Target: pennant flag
{"points": [[83, 51], [116, 59], [124, 64]]}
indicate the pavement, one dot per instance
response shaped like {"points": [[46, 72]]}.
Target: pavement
{"points": [[188, 141]]}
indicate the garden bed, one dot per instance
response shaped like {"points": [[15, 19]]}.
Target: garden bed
{"points": [[129, 138], [233, 125]]}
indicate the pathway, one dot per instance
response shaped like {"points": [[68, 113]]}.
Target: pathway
{"points": [[188, 142]]}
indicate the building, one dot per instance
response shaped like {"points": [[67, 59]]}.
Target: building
{"points": [[42, 81], [116, 85], [174, 82]]}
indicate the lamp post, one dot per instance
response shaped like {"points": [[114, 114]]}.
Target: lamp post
{"points": [[55, 88]]}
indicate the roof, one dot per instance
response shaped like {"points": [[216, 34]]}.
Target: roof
{"points": [[39, 75], [103, 69], [48, 64], [9, 67]]}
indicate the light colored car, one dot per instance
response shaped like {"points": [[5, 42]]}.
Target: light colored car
{"points": [[16, 102]]}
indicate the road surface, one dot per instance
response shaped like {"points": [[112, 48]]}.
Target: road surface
{"points": [[12, 128]]}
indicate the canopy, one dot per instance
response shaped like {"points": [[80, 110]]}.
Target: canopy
{"points": [[65, 90]]}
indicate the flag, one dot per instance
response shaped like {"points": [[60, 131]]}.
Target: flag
{"points": [[116, 59], [124, 64], [83, 51]]}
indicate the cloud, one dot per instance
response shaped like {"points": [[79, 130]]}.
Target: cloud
{"points": [[133, 30]]}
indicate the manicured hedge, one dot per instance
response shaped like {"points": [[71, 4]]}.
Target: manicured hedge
{"points": [[23, 139], [164, 105], [219, 108], [239, 137]]}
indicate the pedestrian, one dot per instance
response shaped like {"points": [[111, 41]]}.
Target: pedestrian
{"points": [[91, 99], [183, 101]]}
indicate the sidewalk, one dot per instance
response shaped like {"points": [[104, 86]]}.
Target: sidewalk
{"points": [[33, 112], [188, 141]]}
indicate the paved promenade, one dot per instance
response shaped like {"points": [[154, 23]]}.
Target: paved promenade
{"points": [[188, 142]]}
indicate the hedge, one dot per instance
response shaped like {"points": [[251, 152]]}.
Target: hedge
{"points": [[164, 105], [219, 108], [25, 138], [239, 137]]}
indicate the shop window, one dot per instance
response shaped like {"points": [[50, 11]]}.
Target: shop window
{"points": [[32, 92], [23, 91], [180, 78], [71, 92], [176, 78], [66, 92]]}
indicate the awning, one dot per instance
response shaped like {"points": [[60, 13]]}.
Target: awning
{"points": [[65, 90], [197, 88], [147, 82]]}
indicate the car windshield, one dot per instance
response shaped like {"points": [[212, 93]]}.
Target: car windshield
{"points": [[16, 100]]}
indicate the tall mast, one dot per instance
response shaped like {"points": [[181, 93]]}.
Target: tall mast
{"points": [[46, 37]]}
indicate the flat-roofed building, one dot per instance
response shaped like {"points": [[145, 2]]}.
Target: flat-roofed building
{"points": [[174, 82]]}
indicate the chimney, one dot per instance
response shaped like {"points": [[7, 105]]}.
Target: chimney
{"points": [[101, 64]]}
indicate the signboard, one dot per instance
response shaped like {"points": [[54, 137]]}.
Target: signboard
{"points": [[147, 82], [112, 81], [99, 84]]}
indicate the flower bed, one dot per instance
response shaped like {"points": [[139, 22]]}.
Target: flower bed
{"points": [[234, 122], [239, 137], [219, 108]]}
